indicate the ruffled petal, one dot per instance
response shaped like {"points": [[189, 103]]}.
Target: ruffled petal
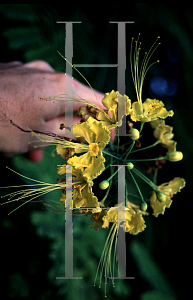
{"points": [[96, 167], [157, 206], [83, 130], [84, 160], [177, 184], [110, 99], [137, 223], [102, 134]]}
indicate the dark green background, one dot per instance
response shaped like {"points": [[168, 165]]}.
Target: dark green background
{"points": [[32, 240]]}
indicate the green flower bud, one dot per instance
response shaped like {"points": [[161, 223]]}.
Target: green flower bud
{"points": [[161, 196], [104, 185], [135, 134], [175, 156], [143, 206], [130, 166]]}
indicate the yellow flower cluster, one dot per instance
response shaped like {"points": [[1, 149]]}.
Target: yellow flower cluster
{"points": [[90, 164]]}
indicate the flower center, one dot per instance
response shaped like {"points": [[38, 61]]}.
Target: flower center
{"points": [[154, 105], [93, 149]]}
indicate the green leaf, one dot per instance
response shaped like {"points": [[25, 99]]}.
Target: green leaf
{"points": [[20, 12], [22, 37], [149, 269], [155, 295]]}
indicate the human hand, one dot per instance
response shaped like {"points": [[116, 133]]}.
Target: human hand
{"points": [[21, 87]]}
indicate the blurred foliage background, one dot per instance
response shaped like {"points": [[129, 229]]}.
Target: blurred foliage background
{"points": [[32, 239]]}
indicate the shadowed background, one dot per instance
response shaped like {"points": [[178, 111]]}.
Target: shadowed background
{"points": [[32, 239]]}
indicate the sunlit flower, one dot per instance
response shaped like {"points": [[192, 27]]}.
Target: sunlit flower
{"points": [[169, 189], [131, 220], [110, 101], [149, 110], [98, 137]]}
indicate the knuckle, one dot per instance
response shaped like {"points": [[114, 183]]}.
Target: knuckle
{"points": [[39, 64]]}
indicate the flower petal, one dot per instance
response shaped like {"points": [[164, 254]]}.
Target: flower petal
{"points": [[177, 184], [83, 130], [102, 134], [96, 166]]}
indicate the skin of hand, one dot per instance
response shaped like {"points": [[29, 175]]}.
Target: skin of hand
{"points": [[21, 87]]}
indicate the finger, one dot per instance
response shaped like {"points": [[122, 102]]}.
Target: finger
{"points": [[53, 125], [40, 65], [35, 155], [112, 136], [10, 64], [56, 90]]}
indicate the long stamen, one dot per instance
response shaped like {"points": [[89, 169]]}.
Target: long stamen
{"points": [[57, 140], [105, 260], [34, 193], [139, 76], [83, 78], [144, 64]]}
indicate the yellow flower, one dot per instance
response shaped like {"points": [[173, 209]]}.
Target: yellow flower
{"points": [[82, 192], [98, 137], [163, 133], [65, 153], [169, 189], [149, 110], [130, 219], [110, 102]]}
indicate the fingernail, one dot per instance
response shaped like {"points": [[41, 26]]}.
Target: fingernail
{"points": [[36, 155]]}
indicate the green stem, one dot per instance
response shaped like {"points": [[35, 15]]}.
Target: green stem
{"points": [[137, 186], [112, 155], [118, 141], [114, 173], [141, 127], [147, 180], [157, 142], [104, 198], [130, 148], [149, 159]]}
